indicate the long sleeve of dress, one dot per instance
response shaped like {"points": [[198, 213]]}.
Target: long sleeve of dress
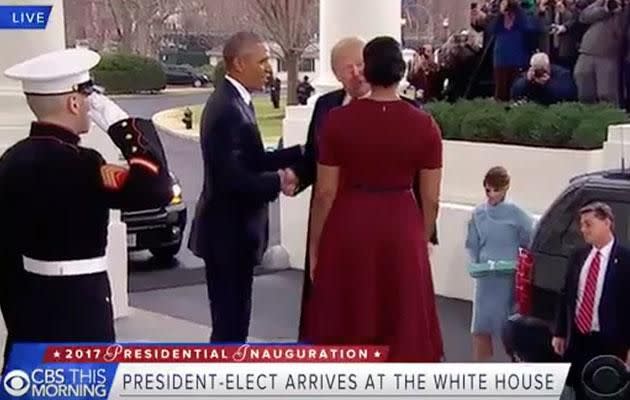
{"points": [[472, 241]]}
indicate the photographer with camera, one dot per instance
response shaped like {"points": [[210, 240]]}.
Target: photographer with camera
{"points": [[597, 71], [425, 75], [544, 83], [513, 30], [557, 39]]}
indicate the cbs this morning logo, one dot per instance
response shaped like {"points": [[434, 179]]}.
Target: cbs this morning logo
{"points": [[57, 383], [17, 383]]}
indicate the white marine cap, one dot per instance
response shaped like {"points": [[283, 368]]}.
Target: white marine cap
{"points": [[57, 72]]}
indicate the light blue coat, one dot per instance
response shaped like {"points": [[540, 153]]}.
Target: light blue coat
{"points": [[495, 233]]}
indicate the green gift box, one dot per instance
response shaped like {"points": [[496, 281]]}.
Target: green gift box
{"points": [[479, 270]]}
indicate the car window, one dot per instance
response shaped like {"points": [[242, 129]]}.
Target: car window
{"points": [[573, 237], [558, 232], [555, 223], [569, 233]]}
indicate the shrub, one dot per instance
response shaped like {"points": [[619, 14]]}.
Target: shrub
{"points": [[484, 124], [565, 125], [207, 70], [127, 73], [522, 125], [443, 114], [592, 130]]}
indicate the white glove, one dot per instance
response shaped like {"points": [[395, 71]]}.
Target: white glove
{"points": [[104, 112]]}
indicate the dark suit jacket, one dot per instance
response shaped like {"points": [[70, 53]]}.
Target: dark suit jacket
{"points": [[614, 304], [306, 169], [240, 180]]}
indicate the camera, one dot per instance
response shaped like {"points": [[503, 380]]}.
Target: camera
{"points": [[539, 73], [612, 5]]}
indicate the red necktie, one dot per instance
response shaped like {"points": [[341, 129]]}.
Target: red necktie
{"points": [[584, 316]]}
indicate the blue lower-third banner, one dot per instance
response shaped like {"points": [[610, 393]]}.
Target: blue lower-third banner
{"points": [[187, 371]]}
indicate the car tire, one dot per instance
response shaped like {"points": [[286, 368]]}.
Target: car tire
{"points": [[167, 252], [197, 83]]}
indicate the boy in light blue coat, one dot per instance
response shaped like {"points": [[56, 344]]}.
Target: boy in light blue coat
{"points": [[496, 231]]}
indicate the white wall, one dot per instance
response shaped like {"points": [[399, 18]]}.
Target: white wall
{"points": [[538, 175]]}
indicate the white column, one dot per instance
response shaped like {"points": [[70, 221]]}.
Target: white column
{"points": [[15, 119], [343, 18], [337, 19], [117, 231]]}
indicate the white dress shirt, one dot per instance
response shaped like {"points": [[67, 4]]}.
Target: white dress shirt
{"points": [[247, 97], [347, 98], [603, 266]]}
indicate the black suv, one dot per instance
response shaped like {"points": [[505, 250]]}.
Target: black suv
{"points": [[158, 230], [184, 75], [542, 268]]}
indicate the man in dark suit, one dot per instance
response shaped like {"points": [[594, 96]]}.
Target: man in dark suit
{"points": [[592, 313], [347, 64], [240, 178]]}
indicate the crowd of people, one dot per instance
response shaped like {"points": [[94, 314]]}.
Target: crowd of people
{"points": [[545, 51]]}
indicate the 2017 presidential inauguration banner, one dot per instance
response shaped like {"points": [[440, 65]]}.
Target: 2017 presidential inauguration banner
{"points": [[188, 371]]}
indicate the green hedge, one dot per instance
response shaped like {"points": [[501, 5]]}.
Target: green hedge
{"points": [[207, 69], [126, 73], [564, 125]]}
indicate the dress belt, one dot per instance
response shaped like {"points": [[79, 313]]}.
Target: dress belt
{"points": [[380, 189], [65, 268]]}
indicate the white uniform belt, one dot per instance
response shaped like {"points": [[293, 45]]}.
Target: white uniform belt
{"points": [[65, 268]]}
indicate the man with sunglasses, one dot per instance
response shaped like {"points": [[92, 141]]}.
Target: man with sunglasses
{"points": [[56, 196]]}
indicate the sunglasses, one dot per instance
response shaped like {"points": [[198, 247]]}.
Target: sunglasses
{"points": [[490, 190], [87, 88]]}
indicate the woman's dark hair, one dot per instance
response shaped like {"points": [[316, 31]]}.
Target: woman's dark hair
{"points": [[384, 63]]}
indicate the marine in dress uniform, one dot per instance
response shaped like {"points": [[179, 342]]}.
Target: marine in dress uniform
{"points": [[56, 196]]}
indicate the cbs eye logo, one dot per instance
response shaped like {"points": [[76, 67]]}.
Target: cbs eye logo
{"points": [[16, 383]]}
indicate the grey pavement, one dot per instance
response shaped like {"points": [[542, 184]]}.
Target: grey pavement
{"points": [[276, 300], [276, 311]]}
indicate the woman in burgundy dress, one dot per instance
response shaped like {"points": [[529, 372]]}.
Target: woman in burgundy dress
{"points": [[369, 259]]}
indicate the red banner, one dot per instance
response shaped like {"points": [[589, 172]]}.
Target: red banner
{"points": [[247, 353]]}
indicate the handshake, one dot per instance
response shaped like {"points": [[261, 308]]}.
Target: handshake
{"points": [[288, 181]]}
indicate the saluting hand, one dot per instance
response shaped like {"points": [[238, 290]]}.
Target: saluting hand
{"points": [[104, 112]]}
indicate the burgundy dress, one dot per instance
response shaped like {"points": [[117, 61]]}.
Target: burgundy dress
{"points": [[373, 281]]}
